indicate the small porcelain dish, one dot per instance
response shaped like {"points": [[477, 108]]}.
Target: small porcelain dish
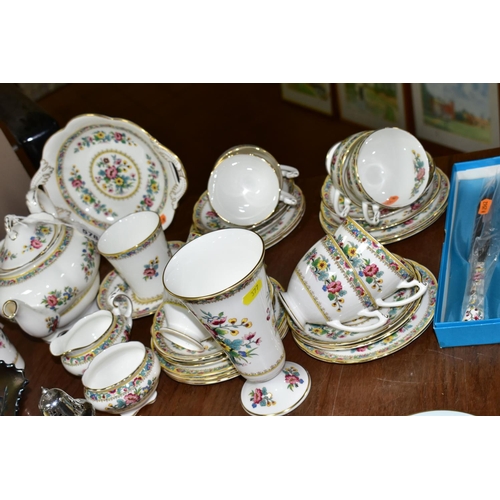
{"points": [[98, 169], [122, 379]]}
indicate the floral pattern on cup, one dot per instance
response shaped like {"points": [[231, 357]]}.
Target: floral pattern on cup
{"points": [[375, 247], [292, 377], [115, 175], [57, 298], [151, 269], [239, 350], [366, 269], [419, 166], [320, 267], [260, 397]]}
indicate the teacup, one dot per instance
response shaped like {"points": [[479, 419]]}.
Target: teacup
{"points": [[122, 379], [221, 278], [9, 353], [137, 248], [92, 334], [246, 185], [182, 326], [382, 272], [389, 168], [325, 289]]}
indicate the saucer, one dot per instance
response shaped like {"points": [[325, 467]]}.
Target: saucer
{"points": [[408, 228], [388, 218], [278, 396], [407, 333], [205, 218], [139, 308]]}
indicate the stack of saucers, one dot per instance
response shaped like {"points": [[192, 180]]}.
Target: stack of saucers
{"points": [[350, 300], [386, 181], [248, 188], [187, 353]]}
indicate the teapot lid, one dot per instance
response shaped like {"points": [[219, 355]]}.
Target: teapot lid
{"points": [[26, 239]]}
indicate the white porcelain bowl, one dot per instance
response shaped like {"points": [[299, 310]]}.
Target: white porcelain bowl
{"points": [[122, 378]]}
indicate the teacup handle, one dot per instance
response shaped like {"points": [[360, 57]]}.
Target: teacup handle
{"points": [[335, 199], [376, 214], [329, 156], [422, 288], [115, 305], [288, 199], [289, 172], [365, 313]]}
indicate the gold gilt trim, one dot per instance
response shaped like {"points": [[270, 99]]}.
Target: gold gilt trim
{"points": [[139, 247], [312, 295], [258, 374]]}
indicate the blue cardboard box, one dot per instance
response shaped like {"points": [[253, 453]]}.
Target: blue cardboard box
{"points": [[466, 188]]}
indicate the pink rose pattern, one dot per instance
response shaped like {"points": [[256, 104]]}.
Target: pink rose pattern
{"points": [[129, 395], [261, 396], [115, 175], [151, 269], [57, 298], [39, 239]]}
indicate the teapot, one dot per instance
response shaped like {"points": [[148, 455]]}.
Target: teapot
{"points": [[49, 273]]}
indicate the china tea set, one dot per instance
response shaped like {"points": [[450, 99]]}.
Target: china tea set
{"points": [[106, 188]]}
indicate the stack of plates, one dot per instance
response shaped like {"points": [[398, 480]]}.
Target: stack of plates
{"points": [[284, 220], [211, 365], [395, 225], [405, 325]]}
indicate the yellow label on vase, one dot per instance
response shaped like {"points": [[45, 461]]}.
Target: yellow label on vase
{"points": [[250, 296]]}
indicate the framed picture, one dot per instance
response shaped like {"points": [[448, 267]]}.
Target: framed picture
{"points": [[462, 116], [372, 105], [316, 96]]}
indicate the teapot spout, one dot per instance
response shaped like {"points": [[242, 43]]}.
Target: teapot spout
{"points": [[34, 322]]}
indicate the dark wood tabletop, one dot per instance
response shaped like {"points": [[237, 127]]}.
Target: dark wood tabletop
{"points": [[420, 377]]}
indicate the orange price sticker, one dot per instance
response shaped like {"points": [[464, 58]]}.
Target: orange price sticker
{"points": [[391, 200], [484, 206]]}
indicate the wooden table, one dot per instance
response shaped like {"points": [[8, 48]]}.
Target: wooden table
{"points": [[420, 377]]}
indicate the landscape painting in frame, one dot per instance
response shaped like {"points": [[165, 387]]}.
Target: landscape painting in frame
{"points": [[316, 96], [462, 116], [372, 105]]}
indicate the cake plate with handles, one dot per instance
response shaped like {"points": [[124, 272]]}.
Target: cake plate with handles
{"points": [[98, 169]]}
